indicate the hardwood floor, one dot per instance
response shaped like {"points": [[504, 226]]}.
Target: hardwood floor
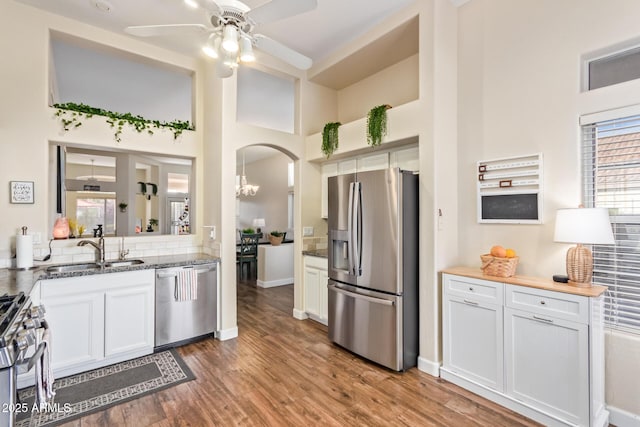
{"points": [[283, 371]]}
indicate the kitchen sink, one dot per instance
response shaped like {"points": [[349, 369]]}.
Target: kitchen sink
{"points": [[123, 263], [68, 268]]}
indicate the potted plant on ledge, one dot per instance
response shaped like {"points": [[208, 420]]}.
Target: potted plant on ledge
{"points": [[276, 237]]}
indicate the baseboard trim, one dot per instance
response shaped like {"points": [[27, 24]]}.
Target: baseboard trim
{"points": [[428, 366], [227, 334], [621, 418], [300, 314], [274, 283]]}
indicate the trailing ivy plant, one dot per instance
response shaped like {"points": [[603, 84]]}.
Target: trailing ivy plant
{"points": [[70, 114], [377, 124], [330, 138]]}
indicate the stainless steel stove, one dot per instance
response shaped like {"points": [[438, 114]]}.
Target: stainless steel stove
{"points": [[20, 324]]}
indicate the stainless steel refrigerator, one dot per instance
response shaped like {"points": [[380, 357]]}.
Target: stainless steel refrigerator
{"points": [[373, 265]]}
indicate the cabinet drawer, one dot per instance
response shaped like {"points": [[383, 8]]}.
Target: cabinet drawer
{"points": [[474, 289], [548, 303]]}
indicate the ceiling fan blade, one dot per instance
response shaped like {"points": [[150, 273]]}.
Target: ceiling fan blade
{"points": [[163, 30], [282, 52], [280, 9], [210, 6]]}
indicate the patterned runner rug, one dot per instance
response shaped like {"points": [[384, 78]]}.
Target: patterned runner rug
{"points": [[96, 390]]}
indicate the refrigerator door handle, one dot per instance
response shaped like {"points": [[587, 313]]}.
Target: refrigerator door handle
{"points": [[357, 230], [362, 297], [350, 241]]}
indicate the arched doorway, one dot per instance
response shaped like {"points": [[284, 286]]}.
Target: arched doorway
{"points": [[274, 206]]}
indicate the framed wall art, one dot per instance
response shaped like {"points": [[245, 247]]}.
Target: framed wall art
{"points": [[21, 191]]}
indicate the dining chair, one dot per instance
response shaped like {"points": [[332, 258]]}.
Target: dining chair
{"points": [[247, 254]]}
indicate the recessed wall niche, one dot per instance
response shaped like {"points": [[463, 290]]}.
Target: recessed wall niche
{"points": [[100, 76]]}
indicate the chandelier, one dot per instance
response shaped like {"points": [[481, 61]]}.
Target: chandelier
{"points": [[244, 188]]}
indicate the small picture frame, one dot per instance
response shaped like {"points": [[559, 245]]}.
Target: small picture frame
{"points": [[21, 192]]}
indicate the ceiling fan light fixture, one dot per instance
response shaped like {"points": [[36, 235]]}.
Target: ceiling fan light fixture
{"points": [[212, 47], [246, 50], [230, 59], [230, 39]]}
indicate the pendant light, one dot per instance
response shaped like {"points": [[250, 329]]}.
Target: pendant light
{"points": [[245, 188]]}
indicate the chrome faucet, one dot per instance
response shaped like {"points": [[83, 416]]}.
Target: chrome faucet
{"points": [[98, 246], [123, 252]]}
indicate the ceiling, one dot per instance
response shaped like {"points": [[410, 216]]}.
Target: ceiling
{"points": [[315, 34]]}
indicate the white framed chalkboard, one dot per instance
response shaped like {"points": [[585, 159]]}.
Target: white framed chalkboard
{"points": [[510, 190]]}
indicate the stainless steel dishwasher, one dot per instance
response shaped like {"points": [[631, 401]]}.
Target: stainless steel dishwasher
{"points": [[178, 322]]}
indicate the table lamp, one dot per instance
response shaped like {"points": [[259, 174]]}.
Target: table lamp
{"points": [[589, 226], [258, 223]]}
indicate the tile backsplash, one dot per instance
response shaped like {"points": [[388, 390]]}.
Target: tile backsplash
{"points": [[67, 250], [314, 243]]}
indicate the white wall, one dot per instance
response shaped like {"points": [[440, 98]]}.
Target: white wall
{"points": [[27, 125], [270, 202], [519, 93], [394, 85]]}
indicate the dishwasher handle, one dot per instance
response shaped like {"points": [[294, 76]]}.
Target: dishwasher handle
{"points": [[168, 273]]}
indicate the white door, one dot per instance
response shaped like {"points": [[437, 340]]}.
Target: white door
{"points": [[473, 340], [129, 320], [77, 326], [547, 364]]}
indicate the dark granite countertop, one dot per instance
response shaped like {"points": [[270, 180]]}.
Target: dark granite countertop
{"points": [[320, 253], [14, 281]]}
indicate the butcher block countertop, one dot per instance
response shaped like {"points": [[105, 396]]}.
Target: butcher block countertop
{"points": [[531, 282]]}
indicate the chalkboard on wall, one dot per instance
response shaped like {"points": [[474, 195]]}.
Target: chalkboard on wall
{"points": [[510, 190], [515, 207]]}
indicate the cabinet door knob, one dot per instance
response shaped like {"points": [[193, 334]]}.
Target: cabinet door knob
{"points": [[471, 288], [542, 302]]}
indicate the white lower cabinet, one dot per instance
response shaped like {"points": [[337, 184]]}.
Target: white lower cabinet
{"points": [[536, 351], [472, 325], [99, 319], [315, 288]]}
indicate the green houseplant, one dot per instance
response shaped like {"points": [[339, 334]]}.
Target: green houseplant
{"points": [[123, 206], [70, 114], [330, 138], [276, 237], [377, 124]]}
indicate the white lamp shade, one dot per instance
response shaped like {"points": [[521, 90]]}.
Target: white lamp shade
{"points": [[230, 39], [246, 51], [212, 47], [258, 222], [589, 226]]}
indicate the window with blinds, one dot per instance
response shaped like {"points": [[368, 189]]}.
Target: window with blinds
{"points": [[611, 179]]}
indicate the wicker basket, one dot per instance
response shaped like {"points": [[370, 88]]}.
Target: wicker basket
{"points": [[499, 267]]}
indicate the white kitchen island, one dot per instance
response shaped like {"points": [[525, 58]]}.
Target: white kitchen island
{"points": [[275, 265]]}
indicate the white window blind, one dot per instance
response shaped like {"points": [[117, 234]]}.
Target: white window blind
{"points": [[611, 179]]}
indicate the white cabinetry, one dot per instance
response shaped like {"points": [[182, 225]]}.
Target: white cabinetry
{"points": [[406, 158], [99, 319], [403, 158], [472, 325], [315, 288], [535, 350]]}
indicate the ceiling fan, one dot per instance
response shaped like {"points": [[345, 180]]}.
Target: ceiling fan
{"points": [[231, 33]]}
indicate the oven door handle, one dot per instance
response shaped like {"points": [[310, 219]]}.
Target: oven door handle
{"points": [[37, 355]]}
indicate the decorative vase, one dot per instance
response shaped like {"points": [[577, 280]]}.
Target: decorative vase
{"points": [[275, 240]]}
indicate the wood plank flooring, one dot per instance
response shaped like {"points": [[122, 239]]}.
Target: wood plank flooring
{"points": [[283, 371]]}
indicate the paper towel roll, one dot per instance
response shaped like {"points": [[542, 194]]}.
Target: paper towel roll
{"points": [[24, 251]]}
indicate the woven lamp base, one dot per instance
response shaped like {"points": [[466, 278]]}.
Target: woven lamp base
{"points": [[579, 266]]}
